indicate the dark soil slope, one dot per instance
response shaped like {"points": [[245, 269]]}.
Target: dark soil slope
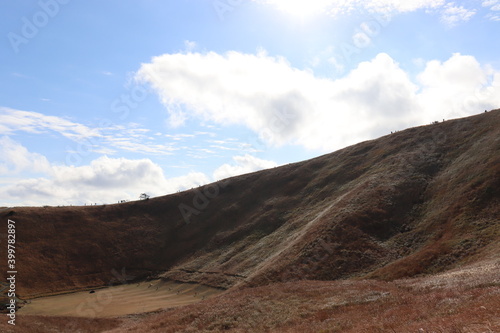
{"points": [[418, 201]]}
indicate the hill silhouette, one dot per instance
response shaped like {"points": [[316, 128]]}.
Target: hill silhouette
{"points": [[414, 203]]}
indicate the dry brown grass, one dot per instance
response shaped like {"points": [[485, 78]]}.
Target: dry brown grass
{"points": [[314, 306], [39, 324], [460, 301]]}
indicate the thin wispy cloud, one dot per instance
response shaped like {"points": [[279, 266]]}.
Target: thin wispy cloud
{"points": [[452, 15], [12, 120], [335, 7], [99, 139], [494, 7]]}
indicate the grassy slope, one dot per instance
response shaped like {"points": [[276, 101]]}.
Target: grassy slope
{"points": [[418, 201]]}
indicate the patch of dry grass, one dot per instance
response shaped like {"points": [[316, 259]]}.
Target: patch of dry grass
{"points": [[463, 301]]}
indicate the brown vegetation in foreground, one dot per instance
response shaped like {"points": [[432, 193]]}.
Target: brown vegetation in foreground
{"points": [[41, 324], [417, 202], [464, 300]]}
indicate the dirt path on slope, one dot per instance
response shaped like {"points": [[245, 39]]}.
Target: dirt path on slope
{"points": [[120, 300]]}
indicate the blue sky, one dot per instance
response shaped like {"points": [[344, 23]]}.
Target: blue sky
{"points": [[103, 100]]}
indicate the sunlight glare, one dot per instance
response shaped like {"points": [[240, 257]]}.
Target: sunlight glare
{"points": [[301, 8]]}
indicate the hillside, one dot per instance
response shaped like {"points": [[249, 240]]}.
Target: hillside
{"points": [[405, 226], [418, 201]]}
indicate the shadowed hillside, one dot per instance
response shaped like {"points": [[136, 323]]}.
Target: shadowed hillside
{"points": [[418, 201]]}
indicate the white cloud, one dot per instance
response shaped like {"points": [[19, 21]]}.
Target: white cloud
{"points": [[15, 158], [104, 180], [244, 164], [231, 89], [453, 15], [457, 87], [285, 105], [107, 180]]}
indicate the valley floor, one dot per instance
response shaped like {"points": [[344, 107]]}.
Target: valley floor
{"points": [[120, 300]]}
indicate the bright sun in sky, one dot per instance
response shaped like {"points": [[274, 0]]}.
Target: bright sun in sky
{"points": [[301, 8]]}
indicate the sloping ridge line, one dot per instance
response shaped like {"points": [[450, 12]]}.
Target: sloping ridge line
{"points": [[419, 201]]}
